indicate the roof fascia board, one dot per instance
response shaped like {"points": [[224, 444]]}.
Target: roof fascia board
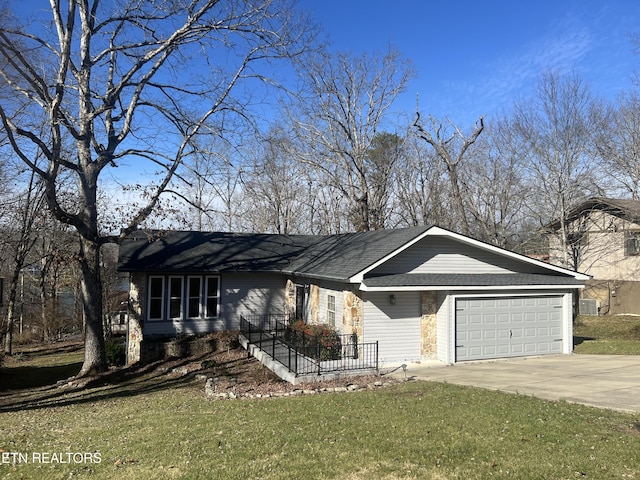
{"points": [[415, 288], [313, 276]]}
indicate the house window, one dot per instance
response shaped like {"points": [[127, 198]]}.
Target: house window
{"points": [[331, 310], [183, 297], [632, 243], [213, 294], [194, 293], [175, 297], [156, 298]]}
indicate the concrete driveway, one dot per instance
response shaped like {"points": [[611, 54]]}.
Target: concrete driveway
{"points": [[605, 381]]}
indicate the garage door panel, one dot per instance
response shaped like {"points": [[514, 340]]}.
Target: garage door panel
{"points": [[490, 335], [504, 334], [502, 350], [509, 326]]}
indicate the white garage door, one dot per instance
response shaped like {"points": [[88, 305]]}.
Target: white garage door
{"points": [[395, 326], [508, 327]]}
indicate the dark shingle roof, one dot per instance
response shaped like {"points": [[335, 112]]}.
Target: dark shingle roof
{"points": [[624, 208], [328, 256], [342, 256], [460, 280], [209, 251]]}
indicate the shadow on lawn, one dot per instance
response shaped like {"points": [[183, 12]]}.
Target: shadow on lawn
{"points": [[37, 387], [579, 340], [30, 377]]}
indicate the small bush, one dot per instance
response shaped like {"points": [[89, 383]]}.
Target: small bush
{"points": [[115, 350], [321, 342]]}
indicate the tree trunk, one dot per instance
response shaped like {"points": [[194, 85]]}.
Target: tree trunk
{"points": [[8, 339], [11, 305], [95, 360], [44, 314], [458, 200]]}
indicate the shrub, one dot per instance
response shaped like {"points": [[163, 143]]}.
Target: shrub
{"points": [[321, 342], [115, 350]]}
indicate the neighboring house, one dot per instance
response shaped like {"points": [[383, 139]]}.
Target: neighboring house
{"points": [[421, 292], [603, 241]]}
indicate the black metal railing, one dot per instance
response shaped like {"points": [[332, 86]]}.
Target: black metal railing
{"points": [[304, 354]]}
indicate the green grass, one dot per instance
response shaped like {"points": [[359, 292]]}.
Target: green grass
{"points": [[613, 335], [156, 427]]}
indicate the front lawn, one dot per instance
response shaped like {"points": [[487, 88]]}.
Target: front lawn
{"points": [[158, 426], [612, 335]]}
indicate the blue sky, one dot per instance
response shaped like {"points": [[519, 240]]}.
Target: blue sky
{"points": [[474, 58]]}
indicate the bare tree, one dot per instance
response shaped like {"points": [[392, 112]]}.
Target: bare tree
{"points": [[274, 188], [496, 187], [618, 144], [451, 146], [27, 207], [338, 121], [422, 188], [211, 186], [556, 130], [128, 82]]}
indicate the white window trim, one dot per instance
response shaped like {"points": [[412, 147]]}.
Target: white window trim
{"points": [[163, 298], [331, 311], [201, 291], [205, 297], [170, 297], [184, 297]]}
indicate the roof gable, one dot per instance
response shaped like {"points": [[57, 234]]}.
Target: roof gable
{"points": [[501, 259]]}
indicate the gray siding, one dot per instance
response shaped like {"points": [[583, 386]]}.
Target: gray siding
{"points": [[396, 327], [444, 255], [251, 294]]}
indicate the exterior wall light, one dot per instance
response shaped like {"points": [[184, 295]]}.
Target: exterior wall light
{"points": [[392, 299]]}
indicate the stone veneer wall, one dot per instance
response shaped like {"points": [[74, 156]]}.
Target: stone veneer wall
{"points": [[314, 305], [137, 291], [290, 299], [351, 313], [428, 324]]}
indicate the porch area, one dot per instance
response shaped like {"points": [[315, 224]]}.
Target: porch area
{"points": [[297, 357]]}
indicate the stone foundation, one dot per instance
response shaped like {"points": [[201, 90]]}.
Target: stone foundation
{"points": [[428, 325], [159, 348]]}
